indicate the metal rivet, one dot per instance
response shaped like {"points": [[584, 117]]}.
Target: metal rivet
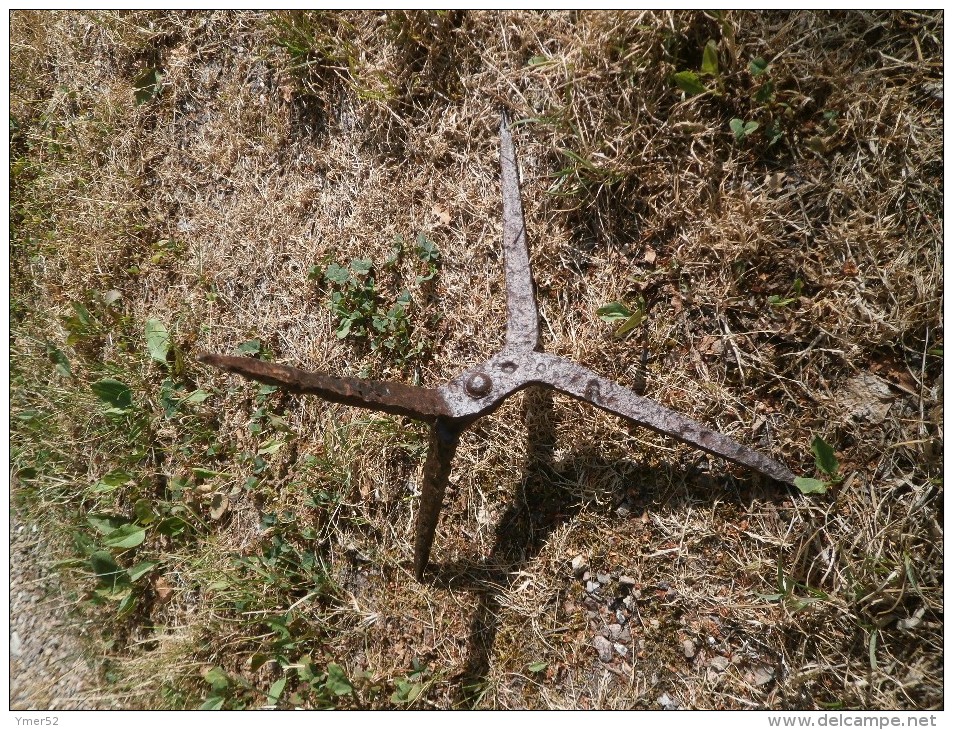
{"points": [[479, 384]]}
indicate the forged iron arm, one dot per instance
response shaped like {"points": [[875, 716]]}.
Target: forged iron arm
{"points": [[522, 317], [581, 383], [425, 404], [444, 437], [510, 371]]}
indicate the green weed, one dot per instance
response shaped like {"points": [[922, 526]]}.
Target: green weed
{"points": [[408, 691], [795, 596], [364, 315], [792, 295], [618, 312], [741, 129], [826, 463]]}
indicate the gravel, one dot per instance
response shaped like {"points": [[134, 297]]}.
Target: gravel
{"points": [[48, 665]]}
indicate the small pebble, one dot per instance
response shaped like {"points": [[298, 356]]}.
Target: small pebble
{"points": [[579, 565], [626, 581], [719, 663], [602, 578], [629, 602], [16, 646], [621, 650], [665, 700], [619, 634], [603, 647], [762, 674], [688, 646], [592, 586]]}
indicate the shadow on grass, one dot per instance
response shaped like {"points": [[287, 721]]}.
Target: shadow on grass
{"points": [[537, 510], [542, 503]]}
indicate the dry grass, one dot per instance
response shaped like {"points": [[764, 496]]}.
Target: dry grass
{"points": [[283, 142]]}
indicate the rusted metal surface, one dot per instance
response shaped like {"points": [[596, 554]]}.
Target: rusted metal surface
{"points": [[425, 404], [480, 390], [443, 445], [522, 317], [510, 371]]}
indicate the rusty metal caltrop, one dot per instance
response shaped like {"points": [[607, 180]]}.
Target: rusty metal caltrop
{"points": [[453, 407]]}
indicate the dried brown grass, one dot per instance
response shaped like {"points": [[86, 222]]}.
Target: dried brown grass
{"points": [[261, 163]]}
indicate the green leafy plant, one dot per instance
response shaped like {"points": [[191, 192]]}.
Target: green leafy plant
{"points": [[249, 347], [808, 485], [410, 689], [59, 359], [157, 340], [824, 457], [115, 536], [774, 107], [353, 300], [115, 393], [276, 689], [220, 683], [710, 59], [788, 590], [81, 324], [173, 396], [757, 66], [361, 311], [691, 82], [777, 300], [742, 129], [826, 463], [324, 689], [148, 85], [629, 318], [336, 681], [427, 252]]}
